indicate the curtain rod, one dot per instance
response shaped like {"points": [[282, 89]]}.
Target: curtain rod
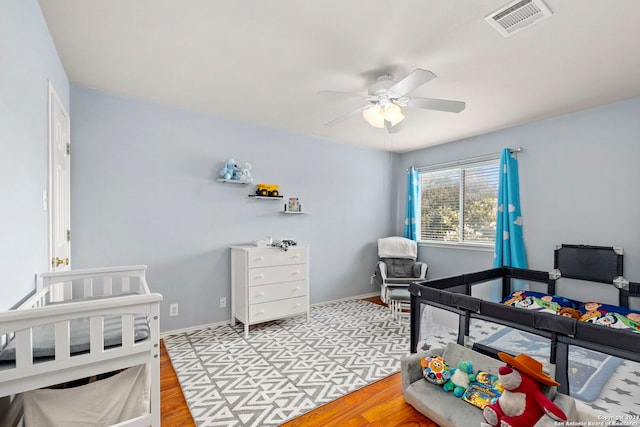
{"points": [[466, 161]]}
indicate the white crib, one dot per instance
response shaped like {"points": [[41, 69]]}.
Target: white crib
{"points": [[74, 303]]}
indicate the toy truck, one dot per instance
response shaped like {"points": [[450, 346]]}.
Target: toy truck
{"points": [[267, 190]]}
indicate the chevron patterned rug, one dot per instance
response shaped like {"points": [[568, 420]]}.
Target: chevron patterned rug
{"points": [[287, 367]]}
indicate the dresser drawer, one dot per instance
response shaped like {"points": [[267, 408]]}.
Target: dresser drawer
{"points": [[285, 273], [270, 257], [266, 293], [277, 309]]}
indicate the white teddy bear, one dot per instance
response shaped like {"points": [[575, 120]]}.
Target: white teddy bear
{"points": [[244, 173]]}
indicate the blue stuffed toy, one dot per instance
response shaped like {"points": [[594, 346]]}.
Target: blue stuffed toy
{"points": [[229, 170], [460, 378]]}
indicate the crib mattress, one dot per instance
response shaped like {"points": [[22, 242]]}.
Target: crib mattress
{"points": [[43, 337]]}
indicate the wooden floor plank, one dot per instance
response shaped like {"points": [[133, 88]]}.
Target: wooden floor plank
{"points": [[378, 404]]}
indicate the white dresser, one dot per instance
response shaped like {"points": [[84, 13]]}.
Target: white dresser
{"points": [[268, 283]]}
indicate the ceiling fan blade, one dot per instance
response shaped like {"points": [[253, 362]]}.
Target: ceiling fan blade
{"points": [[416, 78], [346, 116], [336, 92], [437, 104]]}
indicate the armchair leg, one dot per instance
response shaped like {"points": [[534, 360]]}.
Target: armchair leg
{"points": [[384, 294]]}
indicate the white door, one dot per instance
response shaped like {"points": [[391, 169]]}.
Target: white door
{"points": [[59, 185]]}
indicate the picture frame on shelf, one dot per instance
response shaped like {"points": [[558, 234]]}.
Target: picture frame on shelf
{"points": [[293, 205]]}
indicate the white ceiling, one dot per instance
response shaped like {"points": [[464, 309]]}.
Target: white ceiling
{"points": [[264, 61]]}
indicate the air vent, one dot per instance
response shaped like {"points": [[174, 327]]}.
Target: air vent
{"points": [[518, 15]]}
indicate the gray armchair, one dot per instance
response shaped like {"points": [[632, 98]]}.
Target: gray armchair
{"points": [[397, 269]]}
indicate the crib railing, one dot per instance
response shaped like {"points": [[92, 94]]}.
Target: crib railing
{"points": [[76, 284], [67, 296]]}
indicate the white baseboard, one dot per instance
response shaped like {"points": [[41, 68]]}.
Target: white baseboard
{"points": [[373, 294], [226, 322], [193, 328]]}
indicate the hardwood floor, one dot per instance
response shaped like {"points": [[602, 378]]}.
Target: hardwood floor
{"points": [[174, 411], [379, 404]]}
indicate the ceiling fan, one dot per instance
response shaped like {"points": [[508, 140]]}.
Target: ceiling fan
{"points": [[387, 97]]}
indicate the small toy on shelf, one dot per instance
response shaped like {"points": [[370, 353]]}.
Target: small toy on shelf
{"points": [[228, 171], [293, 205], [267, 190], [244, 173]]}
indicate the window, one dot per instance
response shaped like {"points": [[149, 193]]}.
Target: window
{"points": [[458, 204]]}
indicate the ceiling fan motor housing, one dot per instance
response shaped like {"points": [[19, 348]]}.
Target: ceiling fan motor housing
{"points": [[381, 85]]}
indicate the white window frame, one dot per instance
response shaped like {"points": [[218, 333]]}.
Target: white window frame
{"points": [[457, 165]]}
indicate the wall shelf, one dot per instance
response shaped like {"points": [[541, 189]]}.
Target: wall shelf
{"points": [[253, 196], [293, 213], [233, 181]]}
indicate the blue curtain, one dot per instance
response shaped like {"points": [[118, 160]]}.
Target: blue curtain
{"points": [[411, 210], [509, 248]]}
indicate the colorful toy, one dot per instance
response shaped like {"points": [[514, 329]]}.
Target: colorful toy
{"points": [[461, 377], [435, 369], [228, 171], [484, 390], [522, 403], [267, 190]]}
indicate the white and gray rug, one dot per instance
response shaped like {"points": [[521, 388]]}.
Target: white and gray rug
{"points": [[287, 367]]}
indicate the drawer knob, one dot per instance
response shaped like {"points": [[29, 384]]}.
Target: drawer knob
{"points": [[260, 276], [261, 312], [260, 294], [296, 289], [296, 256], [260, 258], [296, 306], [296, 272]]}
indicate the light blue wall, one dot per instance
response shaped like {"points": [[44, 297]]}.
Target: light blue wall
{"points": [[144, 191], [579, 177], [28, 60]]}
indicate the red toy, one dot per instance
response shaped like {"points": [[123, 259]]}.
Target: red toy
{"points": [[522, 403]]}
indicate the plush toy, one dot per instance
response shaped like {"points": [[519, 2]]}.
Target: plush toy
{"points": [[228, 171], [522, 403], [570, 312], [244, 173], [435, 369], [461, 376]]}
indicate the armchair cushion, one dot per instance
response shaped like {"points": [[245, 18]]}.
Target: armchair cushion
{"points": [[399, 267]]}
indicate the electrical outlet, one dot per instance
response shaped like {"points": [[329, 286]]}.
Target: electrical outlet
{"points": [[173, 309], [223, 302]]}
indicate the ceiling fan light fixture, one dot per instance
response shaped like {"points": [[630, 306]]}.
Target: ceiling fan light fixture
{"points": [[393, 114], [374, 116]]}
